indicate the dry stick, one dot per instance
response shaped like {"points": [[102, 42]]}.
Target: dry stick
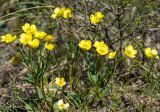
{"points": [[120, 31], [109, 39], [133, 33], [119, 26], [143, 54], [26, 10], [118, 15], [110, 9], [106, 29], [86, 12]]}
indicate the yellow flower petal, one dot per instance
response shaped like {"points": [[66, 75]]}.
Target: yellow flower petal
{"points": [[60, 81], [130, 51], [97, 43], [34, 43], [85, 44], [67, 13], [96, 18], [49, 46], [40, 34], [8, 38], [112, 55], [27, 28], [49, 38], [25, 38], [102, 50], [151, 53]]}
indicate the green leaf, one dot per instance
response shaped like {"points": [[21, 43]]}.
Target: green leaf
{"points": [[105, 91], [72, 96], [49, 99], [137, 21], [93, 78], [93, 91], [28, 108], [30, 79], [39, 93]]}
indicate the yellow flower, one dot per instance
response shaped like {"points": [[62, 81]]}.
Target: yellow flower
{"points": [[49, 46], [61, 105], [40, 34], [58, 12], [60, 81], [97, 44], [101, 47], [112, 55], [34, 43], [97, 18], [130, 51], [151, 53], [27, 28], [9, 38], [99, 15], [25, 38], [49, 38], [85, 44], [62, 12], [33, 29], [67, 13], [94, 19], [102, 50]]}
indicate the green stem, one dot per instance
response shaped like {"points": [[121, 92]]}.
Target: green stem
{"points": [[150, 70], [35, 85], [70, 76], [45, 99], [30, 60]]}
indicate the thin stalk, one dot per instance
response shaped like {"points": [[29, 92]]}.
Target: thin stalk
{"points": [[51, 106], [70, 76], [45, 99], [30, 60], [43, 69], [35, 86], [33, 3], [150, 70], [38, 7], [12, 18]]}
